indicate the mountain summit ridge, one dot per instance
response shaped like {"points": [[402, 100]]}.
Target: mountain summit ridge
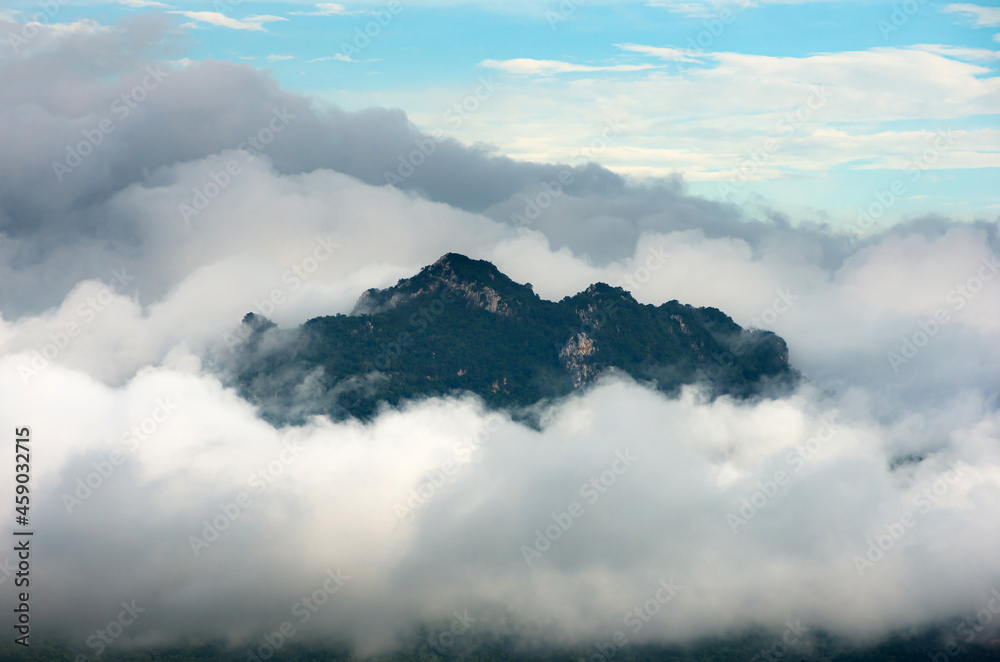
{"points": [[461, 325], [452, 270]]}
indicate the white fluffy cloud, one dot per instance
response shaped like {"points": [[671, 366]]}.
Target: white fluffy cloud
{"points": [[823, 110], [336, 500], [871, 450]]}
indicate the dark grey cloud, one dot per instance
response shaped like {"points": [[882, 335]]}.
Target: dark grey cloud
{"points": [[64, 96], [90, 115]]}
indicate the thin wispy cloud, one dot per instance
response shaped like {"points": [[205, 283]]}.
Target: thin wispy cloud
{"points": [[810, 107], [665, 52], [251, 23], [960, 53], [142, 4], [276, 58], [328, 9], [692, 9], [340, 57], [983, 17], [531, 67]]}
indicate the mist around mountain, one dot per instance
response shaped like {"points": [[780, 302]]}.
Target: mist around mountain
{"points": [[461, 325], [863, 505], [428, 645]]}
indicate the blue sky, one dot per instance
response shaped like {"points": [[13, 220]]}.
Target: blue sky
{"points": [[891, 78]]}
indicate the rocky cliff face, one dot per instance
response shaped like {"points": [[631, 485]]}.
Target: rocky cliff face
{"points": [[462, 325], [576, 357]]}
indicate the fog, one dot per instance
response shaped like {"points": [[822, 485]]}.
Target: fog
{"points": [[866, 502]]}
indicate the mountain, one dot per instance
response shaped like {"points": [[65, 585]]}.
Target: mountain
{"points": [[462, 325]]}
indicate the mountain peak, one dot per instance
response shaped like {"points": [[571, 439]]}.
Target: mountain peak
{"points": [[462, 325], [478, 282], [605, 291], [455, 266], [456, 261]]}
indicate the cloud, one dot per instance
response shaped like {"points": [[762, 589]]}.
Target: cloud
{"points": [[328, 9], [251, 23], [713, 8], [340, 57], [527, 66], [983, 17], [274, 58], [142, 4], [331, 8], [960, 53], [44, 34], [120, 311], [693, 9], [666, 53], [340, 496], [860, 94]]}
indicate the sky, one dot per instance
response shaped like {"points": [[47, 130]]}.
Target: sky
{"points": [[697, 88], [157, 185]]}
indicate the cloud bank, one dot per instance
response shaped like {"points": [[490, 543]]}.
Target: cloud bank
{"points": [[865, 503]]}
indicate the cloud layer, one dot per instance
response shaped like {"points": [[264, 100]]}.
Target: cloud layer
{"points": [[123, 281]]}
